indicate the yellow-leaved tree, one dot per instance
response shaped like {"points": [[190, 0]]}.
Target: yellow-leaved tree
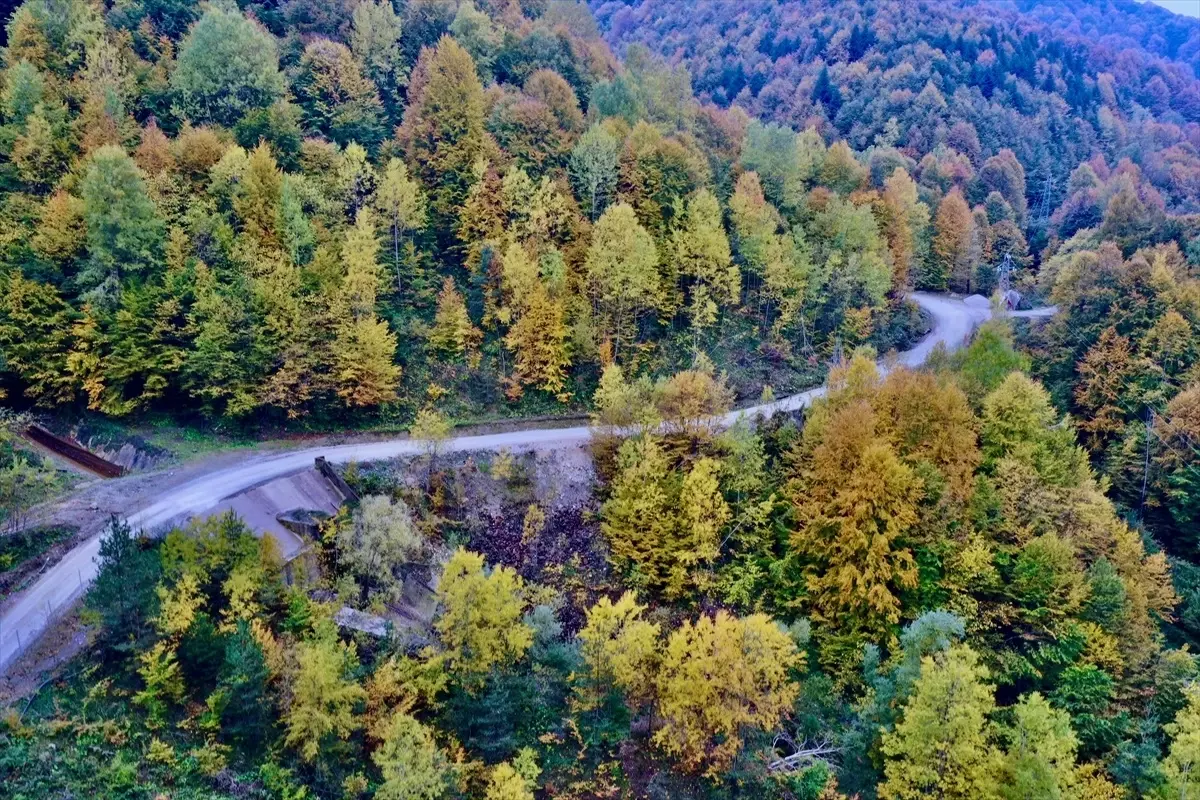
{"points": [[364, 348], [855, 501], [163, 681], [538, 339], [701, 252], [692, 401], [664, 531], [452, 334], [480, 625], [951, 250], [620, 653], [704, 515], [940, 747], [1040, 760], [412, 765], [721, 677], [622, 275], [769, 253], [1181, 767], [514, 780], [178, 605], [401, 202], [324, 695]]}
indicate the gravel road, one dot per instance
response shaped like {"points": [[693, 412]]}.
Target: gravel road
{"points": [[27, 615]]}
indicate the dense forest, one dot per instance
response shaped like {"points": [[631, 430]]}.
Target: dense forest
{"points": [[952, 83], [339, 210], [921, 591], [980, 579]]}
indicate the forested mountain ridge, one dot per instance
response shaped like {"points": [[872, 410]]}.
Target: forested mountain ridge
{"points": [[971, 77], [1116, 24]]}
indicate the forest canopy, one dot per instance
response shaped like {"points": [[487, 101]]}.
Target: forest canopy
{"points": [[975, 579]]}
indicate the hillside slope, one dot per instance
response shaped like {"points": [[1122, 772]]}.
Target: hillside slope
{"points": [[1057, 83]]}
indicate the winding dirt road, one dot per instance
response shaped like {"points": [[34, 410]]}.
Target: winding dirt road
{"points": [[60, 586]]}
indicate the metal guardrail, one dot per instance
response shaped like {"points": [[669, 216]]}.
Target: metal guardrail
{"points": [[74, 452], [339, 484]]}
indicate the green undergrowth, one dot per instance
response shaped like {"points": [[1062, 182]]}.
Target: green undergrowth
{"points": [[18, 548], [81, 736]]}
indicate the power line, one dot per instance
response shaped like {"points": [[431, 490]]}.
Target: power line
{"points": [[1187, 462], [1153, 416], [1185, 435]]}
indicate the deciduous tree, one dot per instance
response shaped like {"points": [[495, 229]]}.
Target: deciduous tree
{"points": [[950, 264], [452, 334], [431, 428], [375, 41], [364, 347], [125, 234], [61, 233], [1181, 767], [35, 334], [640, 518], [623, 407], [1040, 759], [705, 515], [768, 252], [24, 88], [259, 197], [324, 696], [693, 402], [1105, 373], [338, 100], [538, 338], [552, 89], [412, 765], [378, 544], [401, 202], [479, 35], [514, 781], [227, 65], [905, 224], [1018, 419], [1004, 174], [163, 682], [622, 274], [480, 624], [443, 132], [700, 252], [655, 171], [620, 653], [855, 502], [720, 678], [940, 747], [178, 605], [593, 168]]}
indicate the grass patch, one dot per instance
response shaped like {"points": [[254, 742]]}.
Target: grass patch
{"points": [[189, 441]]}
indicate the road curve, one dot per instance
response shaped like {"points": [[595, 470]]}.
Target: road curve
{"points": [[62, 584]]}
